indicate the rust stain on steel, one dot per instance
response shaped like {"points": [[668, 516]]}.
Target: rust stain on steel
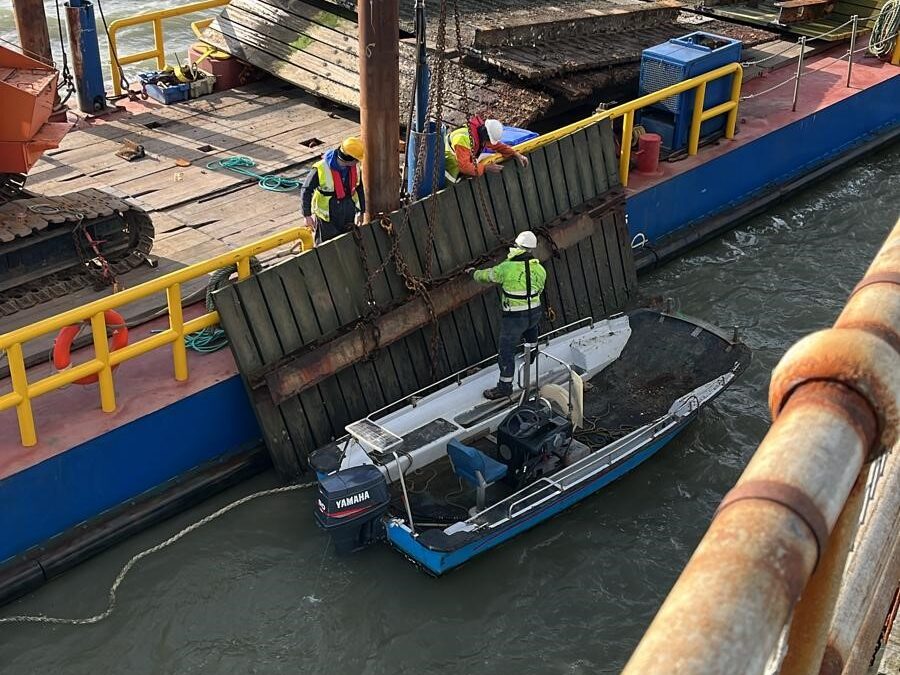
{"points": [[886, 277], [854, 358], [787, 496], [294, 374]]}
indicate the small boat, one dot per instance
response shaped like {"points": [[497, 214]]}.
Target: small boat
{"points": [[444, 475]]}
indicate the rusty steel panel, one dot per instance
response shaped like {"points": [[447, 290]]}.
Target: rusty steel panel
{"points": [[299, 373]]}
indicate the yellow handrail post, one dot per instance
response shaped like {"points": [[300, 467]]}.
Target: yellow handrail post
{"points": [[625, 154], [697, 119], [159, 40], [731, 121], [176, 323], [101, 351], [19, 379], [243, 268]]}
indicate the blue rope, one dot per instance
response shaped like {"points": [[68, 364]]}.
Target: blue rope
{"points": [[244, 166]]}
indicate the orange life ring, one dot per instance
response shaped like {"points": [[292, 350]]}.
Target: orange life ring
{"points": [[62, 346]]}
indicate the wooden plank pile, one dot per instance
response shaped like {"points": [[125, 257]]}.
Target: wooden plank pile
{"points": [[317, 49], [300, 306]]}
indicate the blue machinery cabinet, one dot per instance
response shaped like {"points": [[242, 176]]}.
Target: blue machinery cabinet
{"points": [[677, 60]]}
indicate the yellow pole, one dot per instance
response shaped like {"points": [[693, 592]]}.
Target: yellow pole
{"points": [[19, 380], [697, 119], [895, 59], [243, 268], [625, 155], [160, 41], [176, 323], [101, 350], [731, 123]]}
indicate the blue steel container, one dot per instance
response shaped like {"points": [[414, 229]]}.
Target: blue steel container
{"points": [[677, 60], [432, 153], [86, 56]]}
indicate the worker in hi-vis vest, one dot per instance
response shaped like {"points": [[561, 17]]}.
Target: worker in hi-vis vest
{"points": [[332, 198], [464, 145], [521, 277]]}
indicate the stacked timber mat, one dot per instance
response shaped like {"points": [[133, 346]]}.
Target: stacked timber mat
{"points": [[516, 61], [342, 330]]}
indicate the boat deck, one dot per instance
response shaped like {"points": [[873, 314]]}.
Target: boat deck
{"points": [[197, 212]]}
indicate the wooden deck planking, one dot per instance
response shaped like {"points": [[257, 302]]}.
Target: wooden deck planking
{"points": [[206, 213]]}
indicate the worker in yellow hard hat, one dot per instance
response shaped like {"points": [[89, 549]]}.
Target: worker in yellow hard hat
{"points": [[332, 197]]}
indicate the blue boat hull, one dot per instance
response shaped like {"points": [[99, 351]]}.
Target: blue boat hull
{"points": [[439, 562]]}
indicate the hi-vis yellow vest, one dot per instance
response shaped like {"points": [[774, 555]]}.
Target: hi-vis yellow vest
{"points": [[457, 137], [323, 194]]}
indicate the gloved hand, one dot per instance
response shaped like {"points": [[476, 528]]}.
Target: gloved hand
{"points": [[310, 222], [522, 160]]}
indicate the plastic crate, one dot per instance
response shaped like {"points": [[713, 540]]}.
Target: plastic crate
{"points": [[203, 86], [165, 94]]}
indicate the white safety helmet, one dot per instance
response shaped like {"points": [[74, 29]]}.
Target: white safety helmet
{"points": [[494, 130], [526, 239]]}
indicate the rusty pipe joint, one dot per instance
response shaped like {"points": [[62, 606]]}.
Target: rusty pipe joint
{"points": [[866, 367]]}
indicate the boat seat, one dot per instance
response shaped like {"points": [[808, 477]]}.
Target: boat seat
{"points": [[475, 467]]}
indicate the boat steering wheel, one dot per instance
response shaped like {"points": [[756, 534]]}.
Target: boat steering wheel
{"points": [[522, 422]]}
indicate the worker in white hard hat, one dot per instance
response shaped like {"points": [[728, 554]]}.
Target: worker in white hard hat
{"points": [[521, 277], [464, 145]]}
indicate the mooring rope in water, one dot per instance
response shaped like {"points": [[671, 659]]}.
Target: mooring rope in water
{"points": [[111, 605]]}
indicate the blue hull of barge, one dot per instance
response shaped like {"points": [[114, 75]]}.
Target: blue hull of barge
{"points": [[759, 168], [439, 562]]}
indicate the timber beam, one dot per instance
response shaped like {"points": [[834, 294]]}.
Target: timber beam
{"points": [[296, 373]]}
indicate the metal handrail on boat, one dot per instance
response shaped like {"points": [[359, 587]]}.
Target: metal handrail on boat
{"points": [[104, 360], [116, 61], [627, 112], [459, 375]]}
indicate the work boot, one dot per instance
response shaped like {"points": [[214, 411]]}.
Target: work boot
{"points": [[502, 390]]}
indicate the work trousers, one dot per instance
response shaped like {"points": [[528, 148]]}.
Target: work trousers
{"points": [[516, 327]]}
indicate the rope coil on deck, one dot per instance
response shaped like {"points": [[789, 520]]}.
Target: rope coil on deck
{"points": [[111, 603]]}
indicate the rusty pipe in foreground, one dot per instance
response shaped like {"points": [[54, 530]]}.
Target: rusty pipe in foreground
{"points": [[812, 616], [834, 399], [871, 553]]}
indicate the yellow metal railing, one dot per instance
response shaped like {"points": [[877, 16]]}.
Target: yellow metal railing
{"points": [[104, 361], [158, 52], [627, 111]]}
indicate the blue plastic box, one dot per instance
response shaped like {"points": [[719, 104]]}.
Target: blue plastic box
{"points": [[162, 93], [514, 136]]}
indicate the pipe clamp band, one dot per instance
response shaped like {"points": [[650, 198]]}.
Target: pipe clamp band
{"points": [[876, 278], [787, 496]]}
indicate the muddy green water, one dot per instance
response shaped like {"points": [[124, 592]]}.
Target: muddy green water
{"points": [[259, 591]]}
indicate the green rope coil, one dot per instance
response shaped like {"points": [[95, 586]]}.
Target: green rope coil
{"points": [[244, 166]]}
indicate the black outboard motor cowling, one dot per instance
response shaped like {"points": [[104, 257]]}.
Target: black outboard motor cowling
{"points": [[351, 503]]}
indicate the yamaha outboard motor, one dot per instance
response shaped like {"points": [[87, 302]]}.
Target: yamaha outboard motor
{"points": [[531, 441], [351, 504]]}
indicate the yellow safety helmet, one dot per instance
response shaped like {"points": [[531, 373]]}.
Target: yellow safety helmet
{"points": [[353, 147]]}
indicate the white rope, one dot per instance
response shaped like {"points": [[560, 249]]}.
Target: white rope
{"points": [[885, 29], [766, 91], [111, 604]]}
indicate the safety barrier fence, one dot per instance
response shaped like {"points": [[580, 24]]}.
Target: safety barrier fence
{"points": [[24, 391], [117, 60], [628, 110], [783, 533]]}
